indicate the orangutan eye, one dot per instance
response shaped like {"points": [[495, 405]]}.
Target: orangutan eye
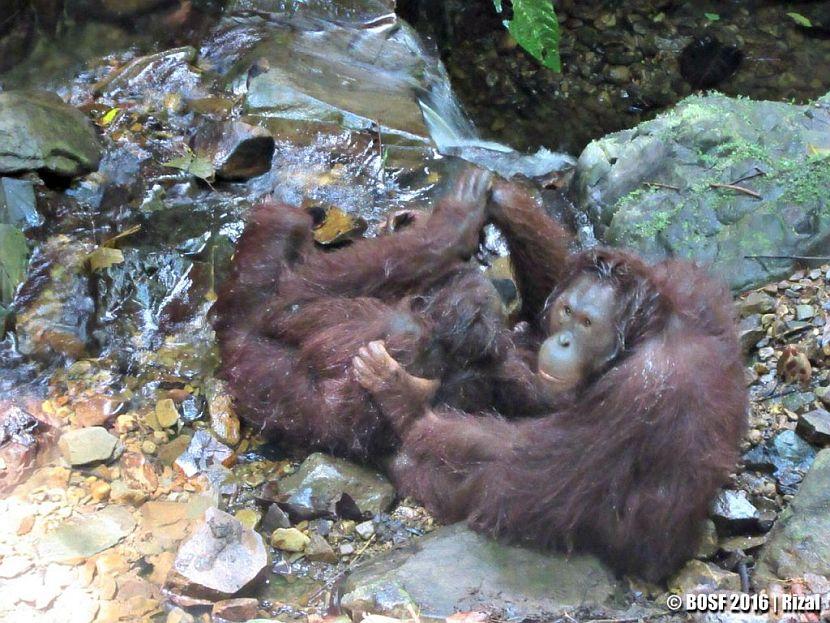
{"points": [[586, 322], [568, 310]]}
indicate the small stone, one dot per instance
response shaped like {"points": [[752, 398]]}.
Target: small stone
{"points": [[223, 420], [346, 549], [365, 530], [757, 303], [248, 517], [121, 493], [241, 609], [87, 445], [823, 394], [318, 549], [148, 447], [204, 452], [733, 512], [275, 518], [169, 452], [177, 615], [100, 491], [166, 413], [289, 539], [804, 312]]}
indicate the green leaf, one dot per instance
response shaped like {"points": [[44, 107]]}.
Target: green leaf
{"points": [[13, 255], [799, 19], [534, 27], [193, 164], [104, 257], [712, 17]]}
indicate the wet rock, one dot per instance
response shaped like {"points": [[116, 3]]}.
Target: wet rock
{"points": [[289, 539], [787, 456], [169, 452], [238, 150], [23, 437], [476, 573], [700, 577], [815, 426], [220, 559], [241, 609], [153, 78], [88, 445], [83, 536], [18, 205], [321, 482], [54, 303], [733, 513], [799, 542], [709, 140], [204, 452], [223, 420], [350, 77], [365, 530], [38, 131]]}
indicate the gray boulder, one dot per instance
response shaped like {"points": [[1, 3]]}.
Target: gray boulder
{"points": [[454, 569], [655, 188], [39, 131], [799, 542]]}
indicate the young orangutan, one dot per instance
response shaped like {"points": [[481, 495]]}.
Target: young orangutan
{"points": [[649, 410]]}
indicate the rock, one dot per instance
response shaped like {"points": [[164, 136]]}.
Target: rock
{"points": [[705, 140], [289, 539], [237, 150], [786, 456], [88, 445], [757, 302], [248, 517], [18, 205], [55, 306], [203, 452], [322, 480], [150, 79], [799, 542], [169, 452], [223, 420], [83, 536], [241, 609], [220, 559], [318, 549], [365, 530], [742, 543], [39, 131], [166, 413], [275, 518], [750, 332], [702, 577], [708, 540], [733, 513], [823, 394], [476, 573], [815, 426]]}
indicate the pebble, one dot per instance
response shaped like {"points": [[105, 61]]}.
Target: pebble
{"points": [[289, 539]]}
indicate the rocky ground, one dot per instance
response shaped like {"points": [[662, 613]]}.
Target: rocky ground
{"points": [[132, 490]]}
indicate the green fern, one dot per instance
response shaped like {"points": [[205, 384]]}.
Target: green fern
{"points": [[534, 27]]}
